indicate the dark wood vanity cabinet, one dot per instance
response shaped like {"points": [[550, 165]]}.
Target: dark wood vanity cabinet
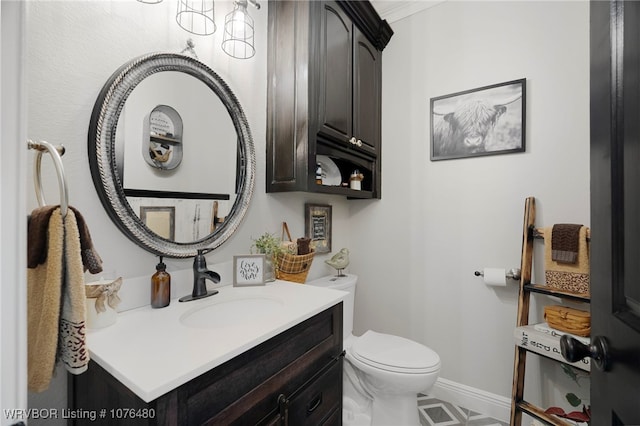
{"points": [[293, 378], [324, 94]]}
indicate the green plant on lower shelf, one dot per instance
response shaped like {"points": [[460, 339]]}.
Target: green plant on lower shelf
{"points": [[267, 244], [573, 399]]}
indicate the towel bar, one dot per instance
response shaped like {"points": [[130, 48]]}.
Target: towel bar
{"points": [[539, 233], [56, 152]]}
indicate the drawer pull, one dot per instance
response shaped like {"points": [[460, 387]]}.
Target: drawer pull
{"points": [[315, 403], [340, 355], [283, 408]]}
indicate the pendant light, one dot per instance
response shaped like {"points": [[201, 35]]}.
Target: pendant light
{"points": [[196, 16], [238, 36]]}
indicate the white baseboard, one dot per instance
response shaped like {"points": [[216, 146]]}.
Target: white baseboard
{"points": [[496, 406]]}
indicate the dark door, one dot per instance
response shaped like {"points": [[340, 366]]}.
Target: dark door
{"points": [[335, 106], [367, 79], [615, 209]]}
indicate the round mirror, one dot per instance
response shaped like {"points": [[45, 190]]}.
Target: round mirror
{"points": [[171, 154]]}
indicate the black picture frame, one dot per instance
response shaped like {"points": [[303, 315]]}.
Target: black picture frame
{"points": [[488, 120], [317, 225]]}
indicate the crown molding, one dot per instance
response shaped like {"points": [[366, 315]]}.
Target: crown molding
{"points": [[395, 10]]}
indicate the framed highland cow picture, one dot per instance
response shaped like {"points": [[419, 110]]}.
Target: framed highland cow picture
{"points": [[484, 121]]}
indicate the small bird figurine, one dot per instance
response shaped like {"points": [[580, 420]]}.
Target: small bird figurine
{"points": [[339, 261]]}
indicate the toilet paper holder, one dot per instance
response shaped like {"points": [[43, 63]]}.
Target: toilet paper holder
{"points": [[513, 273]]}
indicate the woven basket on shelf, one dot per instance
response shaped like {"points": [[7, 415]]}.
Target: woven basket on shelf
{"points": [[569, 320], [293, 267]]}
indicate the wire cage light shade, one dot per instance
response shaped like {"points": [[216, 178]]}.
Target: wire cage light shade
{"points": [[238, 32], [196, 16]]}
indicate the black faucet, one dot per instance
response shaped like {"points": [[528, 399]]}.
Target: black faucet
{"points": [[200, 275]]}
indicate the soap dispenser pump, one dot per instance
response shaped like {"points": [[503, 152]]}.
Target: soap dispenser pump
{"points": [[160, 286]]}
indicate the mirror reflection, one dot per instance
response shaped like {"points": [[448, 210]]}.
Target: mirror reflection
{"points": [[171, 154], [176, 150]]}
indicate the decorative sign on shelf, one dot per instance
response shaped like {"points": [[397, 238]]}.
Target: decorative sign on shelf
{"points": [[165, 138]]}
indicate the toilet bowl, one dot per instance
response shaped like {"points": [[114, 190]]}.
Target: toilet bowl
{"points": [[383, 373]]}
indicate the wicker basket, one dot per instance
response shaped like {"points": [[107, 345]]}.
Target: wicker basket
{"points": [[569, 320], [294, 267]]}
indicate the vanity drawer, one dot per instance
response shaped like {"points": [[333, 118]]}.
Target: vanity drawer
{"points": [[245, 390], [317, 403]]}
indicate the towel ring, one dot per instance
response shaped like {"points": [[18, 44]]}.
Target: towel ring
{"points": [[56, 153]]}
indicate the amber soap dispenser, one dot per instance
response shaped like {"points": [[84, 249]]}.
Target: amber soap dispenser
{"points": [[160, 286]]}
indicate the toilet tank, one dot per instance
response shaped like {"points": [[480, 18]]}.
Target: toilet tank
{"points": [[344, 283]]}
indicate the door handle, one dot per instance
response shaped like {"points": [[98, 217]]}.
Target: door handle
{"points": [[573, 351]]}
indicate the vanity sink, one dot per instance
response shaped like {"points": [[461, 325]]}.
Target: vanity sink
{"points": [[203, 334], [231, 312]]}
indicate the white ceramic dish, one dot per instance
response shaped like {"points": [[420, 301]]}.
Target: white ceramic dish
{"points": [[330, 172]]}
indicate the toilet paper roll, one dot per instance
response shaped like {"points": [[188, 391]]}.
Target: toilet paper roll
{"points": [[495, 277]]}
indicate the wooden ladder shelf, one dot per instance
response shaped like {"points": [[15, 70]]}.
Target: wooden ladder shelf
{"points": [[518, 404]]}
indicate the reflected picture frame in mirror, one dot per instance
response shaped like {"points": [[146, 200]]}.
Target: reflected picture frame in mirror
{"points": [[102, 153]]}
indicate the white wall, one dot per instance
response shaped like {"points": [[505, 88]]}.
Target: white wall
{"points": [[416, 249], [72, 49], [13, 342], [438, 222]]}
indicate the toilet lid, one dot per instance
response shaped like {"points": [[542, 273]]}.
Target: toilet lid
{"points": [[394, 353]]}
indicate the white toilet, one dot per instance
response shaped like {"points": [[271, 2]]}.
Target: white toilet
{"points": [[382, 373]]}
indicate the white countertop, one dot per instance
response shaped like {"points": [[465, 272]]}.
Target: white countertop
{"points": [[152, 352]]}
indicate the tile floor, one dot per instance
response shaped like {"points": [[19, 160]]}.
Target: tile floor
{"points": [[435, 412]]}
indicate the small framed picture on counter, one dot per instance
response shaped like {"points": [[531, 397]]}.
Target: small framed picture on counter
{"points": [[248, 270]]}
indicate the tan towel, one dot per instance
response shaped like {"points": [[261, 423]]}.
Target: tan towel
{"points": [[72, 349], [56, 298], [568, 276], [44, 286]]}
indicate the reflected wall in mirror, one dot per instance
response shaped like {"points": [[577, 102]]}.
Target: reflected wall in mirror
{"points": [[203, 167]]}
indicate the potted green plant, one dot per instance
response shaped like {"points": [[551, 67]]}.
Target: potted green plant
{"points": [[271, 246]]}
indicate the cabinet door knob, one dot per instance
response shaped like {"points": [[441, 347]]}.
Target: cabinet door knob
{"points": [[573, 351], [352, 140], [359, 142]]}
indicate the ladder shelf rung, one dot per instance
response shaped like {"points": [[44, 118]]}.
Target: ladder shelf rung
{"points": [[539, 414], [551, 291]]}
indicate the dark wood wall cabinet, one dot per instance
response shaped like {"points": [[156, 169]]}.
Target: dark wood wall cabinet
{"points": [[293, 378], [324, 94]]}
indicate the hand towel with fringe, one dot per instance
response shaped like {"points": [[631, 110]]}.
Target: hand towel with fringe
{"points": [[56, 303], [572, 277]]}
